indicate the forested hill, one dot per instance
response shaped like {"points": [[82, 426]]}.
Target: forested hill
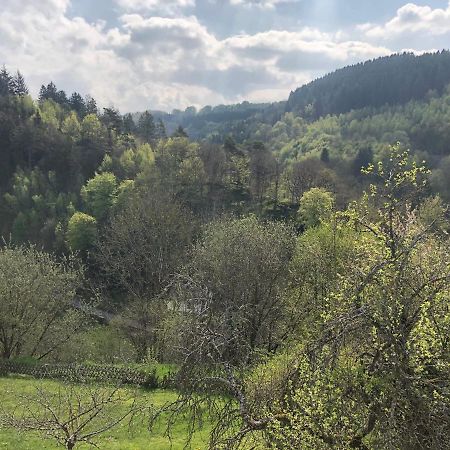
{"points": [[217, 120], [58, 148], [390, 80]]}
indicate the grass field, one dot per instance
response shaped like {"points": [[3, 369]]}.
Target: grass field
{"points": [[119, 438]]}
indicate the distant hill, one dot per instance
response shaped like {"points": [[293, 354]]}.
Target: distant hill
{"points": [[390, 80], [211, 120], [387, 81]]}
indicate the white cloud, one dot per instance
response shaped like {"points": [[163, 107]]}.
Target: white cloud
{"points": [[46, 45], [410, 19], [264, 4], [419, 52], [161, 6], [294, 56], [305, 41], [164, 62], [47, 7]]}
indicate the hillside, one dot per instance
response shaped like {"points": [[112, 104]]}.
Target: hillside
{"points": [[214, 121], [277, 279], [390, 80]]}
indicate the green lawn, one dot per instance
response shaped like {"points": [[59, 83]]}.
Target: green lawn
{"points": [[120, 438]]}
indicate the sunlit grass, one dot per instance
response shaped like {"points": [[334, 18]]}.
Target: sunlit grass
{"points": [[120, 438]]}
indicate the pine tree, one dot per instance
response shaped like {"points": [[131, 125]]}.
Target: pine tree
{"points": [[91, 105], [180, 132], [18, 84], [129, 127], [325, 155], [61, 98], [161, 130], [5, 82], [112, 119], [146, 127], [363, 158], [76, 102], [48, 92]]}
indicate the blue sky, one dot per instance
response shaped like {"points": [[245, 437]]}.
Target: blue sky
{"points": [[165, 54]]}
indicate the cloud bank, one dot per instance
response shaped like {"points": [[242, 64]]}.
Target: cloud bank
{"points": [[159, 55]]}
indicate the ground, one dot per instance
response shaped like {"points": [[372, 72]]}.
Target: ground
{"points": [[119, 438]]}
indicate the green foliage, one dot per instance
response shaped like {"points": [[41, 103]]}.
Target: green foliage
{"points": [[322, 256], [82, 373], [144, 244], [71, 127], [135, 161], [51, 113], [37, 293], [239, 267], [81, 232], [99, 195], [37, 209], [91, 128], [336, 338], [320, 415], [375, 371], [100, 344], [146, 127], [316, 205], [124, 193], [361, 85], [145, 241]]}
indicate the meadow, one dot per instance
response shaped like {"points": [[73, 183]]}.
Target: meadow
{"points": [[122, 437]]}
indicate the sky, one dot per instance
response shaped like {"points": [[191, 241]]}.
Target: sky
{"points": [[165, 54]]}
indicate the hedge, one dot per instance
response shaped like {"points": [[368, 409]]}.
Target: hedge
{"points": [[84, 373]]}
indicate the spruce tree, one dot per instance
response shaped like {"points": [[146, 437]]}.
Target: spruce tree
{"points": [[146, 127], [5, 82], [18, 85]]}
